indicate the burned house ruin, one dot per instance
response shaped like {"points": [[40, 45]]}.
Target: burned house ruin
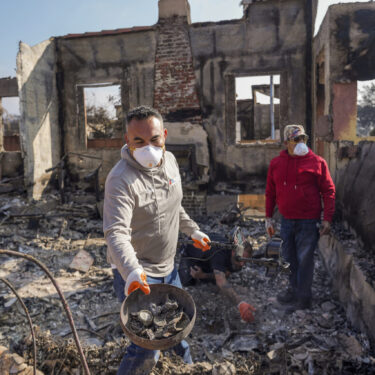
{"points": [[223, 140], [188, 71]]}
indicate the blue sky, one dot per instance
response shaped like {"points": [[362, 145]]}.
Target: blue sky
{"points": [[32, 21]]}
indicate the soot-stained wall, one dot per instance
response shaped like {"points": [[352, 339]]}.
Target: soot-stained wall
{"points": [[126, 58], [270, 39], [344, 53]]}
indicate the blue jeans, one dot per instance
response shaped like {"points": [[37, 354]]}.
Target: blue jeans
{"points": [[137, 360], [300, 238]]}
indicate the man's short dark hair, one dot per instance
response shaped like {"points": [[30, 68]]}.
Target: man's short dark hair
{"points": [[142, 113]]}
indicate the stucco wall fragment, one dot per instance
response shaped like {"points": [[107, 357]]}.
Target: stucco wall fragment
{"points": [[39, 130], [355, 293]]}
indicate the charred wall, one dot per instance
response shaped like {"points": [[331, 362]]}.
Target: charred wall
{"points": [[11, 163], [270, 39], [125, 58], [355, 184], [344, 55]]}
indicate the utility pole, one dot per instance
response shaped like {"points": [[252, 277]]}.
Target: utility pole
{"points": [[272, 109]]}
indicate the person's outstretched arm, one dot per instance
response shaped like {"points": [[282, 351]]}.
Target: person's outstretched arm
{"points": [[246, 310]]}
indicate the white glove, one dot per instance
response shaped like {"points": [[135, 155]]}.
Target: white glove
{"points": [[201, 240], [137, 279]]}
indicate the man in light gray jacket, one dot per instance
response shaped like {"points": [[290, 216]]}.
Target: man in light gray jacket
{"points": [[141, 219]]}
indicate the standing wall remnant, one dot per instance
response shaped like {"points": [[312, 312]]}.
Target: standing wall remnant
{"points": [[197, 63], [39, 128], [344, 51]]}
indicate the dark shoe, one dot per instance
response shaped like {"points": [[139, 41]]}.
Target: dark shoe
{"points": [[300, 304], [286, 297]]}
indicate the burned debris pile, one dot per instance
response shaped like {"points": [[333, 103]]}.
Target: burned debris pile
{"points": [[159, 321], [315, 341]]}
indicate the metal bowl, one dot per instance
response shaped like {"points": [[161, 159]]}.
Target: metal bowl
{"points": [[138, 300]]}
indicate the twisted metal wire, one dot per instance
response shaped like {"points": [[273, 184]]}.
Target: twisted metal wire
{"points": [[64, 302], [11, 287]]}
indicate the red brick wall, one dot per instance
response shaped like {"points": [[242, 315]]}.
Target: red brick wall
{"points": [[11, 143], [105, 143], [175, 92], [194, 203]]}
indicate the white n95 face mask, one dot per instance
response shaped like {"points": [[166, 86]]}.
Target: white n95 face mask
{"points": [[148, 156], [301, 149]]}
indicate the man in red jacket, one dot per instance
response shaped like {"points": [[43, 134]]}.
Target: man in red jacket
{"points": [[298, 181]]}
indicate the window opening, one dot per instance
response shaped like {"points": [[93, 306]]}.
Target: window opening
{"points": [[258, 108], [366, 108], [10, 115], [103, 111], [10, 123]]}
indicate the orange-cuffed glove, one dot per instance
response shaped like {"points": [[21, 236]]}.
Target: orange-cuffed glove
{"points": [[269, 226], [137, 279], [246, 311], [201, 240]]}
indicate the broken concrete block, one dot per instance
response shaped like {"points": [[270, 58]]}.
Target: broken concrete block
{"points": [[82, 261], [272, 354]]}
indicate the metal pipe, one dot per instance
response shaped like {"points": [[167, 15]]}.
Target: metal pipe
{"points": [[10, 286], [64, 302], [272, 108]]}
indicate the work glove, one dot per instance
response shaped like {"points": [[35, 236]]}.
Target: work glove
{"points": [[246, 311], [325, 228], [137, 279], [201, 240], [269, 226]]}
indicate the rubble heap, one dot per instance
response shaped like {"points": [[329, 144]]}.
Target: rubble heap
{"points": [[313, 341]]}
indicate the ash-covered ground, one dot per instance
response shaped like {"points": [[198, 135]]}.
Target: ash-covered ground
{"points": [[318, 341]]}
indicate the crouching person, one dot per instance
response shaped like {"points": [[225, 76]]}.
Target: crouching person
{"points": [[215, 265]]}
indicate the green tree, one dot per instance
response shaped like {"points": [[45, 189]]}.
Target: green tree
{"points": [[100, 123]]}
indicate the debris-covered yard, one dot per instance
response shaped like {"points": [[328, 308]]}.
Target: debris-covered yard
{"points": [[319, 341]]}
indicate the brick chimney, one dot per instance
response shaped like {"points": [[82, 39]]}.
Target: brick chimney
{"points": [[171, 8], [175, 94]]}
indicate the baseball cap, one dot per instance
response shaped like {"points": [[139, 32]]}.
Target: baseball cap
{"points": [[292, 131]]}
